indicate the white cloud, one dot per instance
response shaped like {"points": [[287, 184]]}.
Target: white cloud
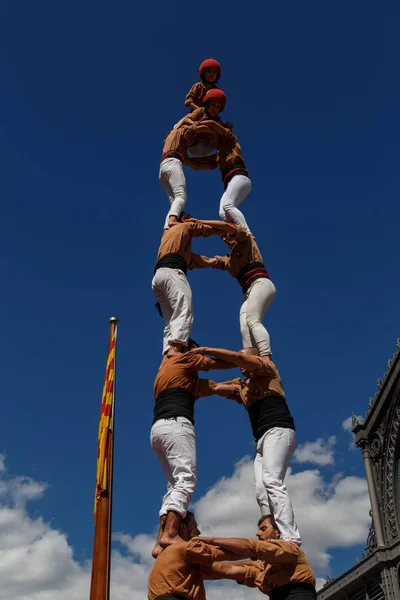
{"points": [[347, 426], [37, 562], [319, 452], [329, 514]]}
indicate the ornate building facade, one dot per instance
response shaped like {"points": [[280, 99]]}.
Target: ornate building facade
{"points": [[377, 574]]}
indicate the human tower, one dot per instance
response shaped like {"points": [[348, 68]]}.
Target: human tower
{"points": [[202, 141]]}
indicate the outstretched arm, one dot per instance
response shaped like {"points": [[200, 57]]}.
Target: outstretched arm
{"points": [[229, 389], [219, 363], [244, 361], [198, 261], [205, 388], [221, 226], [193, 105], [184, 121], [224, 132], [224, 570], [208, 387], [200, 553], [277, 552], [241, 546]]}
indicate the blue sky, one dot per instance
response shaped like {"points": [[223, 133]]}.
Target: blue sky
{"points": [[89, 92]]}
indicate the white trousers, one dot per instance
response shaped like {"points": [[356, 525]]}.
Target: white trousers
{"points": [[172, 290], [273, 453], [236, 191], [257, 300], [174, 442], [172, 178]]}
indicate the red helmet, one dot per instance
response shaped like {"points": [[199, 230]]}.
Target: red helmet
{"points": [[210, 63], [217, 96]]}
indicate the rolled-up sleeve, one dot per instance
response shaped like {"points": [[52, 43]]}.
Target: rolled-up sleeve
{"points": [[194, 94], [232, 389], [204, 554], [204, 388], [222, 262], [202, 230], [276, 551], [197, 261], [252, 573]]}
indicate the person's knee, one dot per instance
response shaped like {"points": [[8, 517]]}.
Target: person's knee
{"points": [[272, 481], [186, 481], [229, 207], [252, 321], [259, 490], [185, 491]]}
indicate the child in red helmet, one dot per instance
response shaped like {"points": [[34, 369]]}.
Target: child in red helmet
{"points": [[207, 119], [210, 72]]}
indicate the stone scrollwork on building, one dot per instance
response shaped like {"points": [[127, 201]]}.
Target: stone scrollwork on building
{"points": [[390, 466], [376, 443], [377, 574], [381, 381], [371, 539]]}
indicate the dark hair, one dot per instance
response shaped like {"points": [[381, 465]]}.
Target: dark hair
{"points": [[271, 520], [184, 215], [192, 344], [186, 519]]}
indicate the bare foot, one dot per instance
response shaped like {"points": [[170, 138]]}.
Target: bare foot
{"points": [[156, 550], [172, 221], [167, 540]]}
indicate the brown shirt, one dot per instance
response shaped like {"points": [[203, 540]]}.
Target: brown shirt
{"points": [[245, 251], [284, 562], [181, 371], [218, 133], [179, 239], [262, 383], [179, 140], [196, 93], [200, 115], [228, 156], [181, 568]]}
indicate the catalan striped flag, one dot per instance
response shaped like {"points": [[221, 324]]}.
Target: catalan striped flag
{"points": [[106, 423]]}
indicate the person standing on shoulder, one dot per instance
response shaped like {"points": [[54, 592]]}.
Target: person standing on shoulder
{"points": [[278, 568], [211, 130], [237, 183], [176, 388], [171, 174], [245, 264], [200, 135], [170, 285], [210, 72], [262, 394]]}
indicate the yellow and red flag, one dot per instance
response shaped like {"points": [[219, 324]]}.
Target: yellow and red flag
{"points": [[106, 423]]}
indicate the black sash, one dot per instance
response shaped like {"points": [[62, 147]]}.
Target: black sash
{"points": [[294, 591], [250, 273], [269, 412], [174, 402], [231, 175], [172, 154], [173, 260]]}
